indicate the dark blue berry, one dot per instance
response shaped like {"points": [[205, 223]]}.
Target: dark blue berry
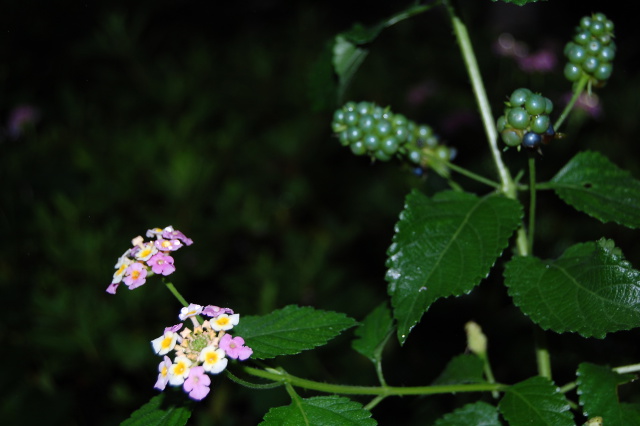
{"points": [[531, 140], [418, 171]]}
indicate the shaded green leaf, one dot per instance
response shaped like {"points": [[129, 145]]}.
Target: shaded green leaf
{"points": [[290, 330], [347, 57], [592, 184], [318, 411], [598, 390], [535, 401], [475, 414], [444, 247], [373, 333], [348, 52], [464, 368], [589, 290], [161, 410]]}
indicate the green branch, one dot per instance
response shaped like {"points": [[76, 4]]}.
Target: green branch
{"points": [[460, 31], [282, 376]]}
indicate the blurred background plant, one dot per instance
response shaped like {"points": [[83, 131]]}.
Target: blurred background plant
{"points": [[215, 119]]}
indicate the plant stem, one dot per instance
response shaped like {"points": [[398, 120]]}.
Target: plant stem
{"points": [[542, 353], [460, 30], [634, 368], [471, 175], [176, 293], [577, 91], [375, 401], [532, 201], [288, 379]]}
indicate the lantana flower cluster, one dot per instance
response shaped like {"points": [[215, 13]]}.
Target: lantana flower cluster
{"points": [[147, 258], [203, 349]]}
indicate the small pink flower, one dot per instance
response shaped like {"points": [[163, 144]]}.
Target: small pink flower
{"points": [[190, 311], [197, 384], [167, 245], [112, 288], [135, 275], [163, 375], [161, 264], [214, 311], [173, 328], [20, 117], [234, 347], [170, 234]]}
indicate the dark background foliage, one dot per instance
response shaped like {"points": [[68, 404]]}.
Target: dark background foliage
{"points": [[214, 118]]}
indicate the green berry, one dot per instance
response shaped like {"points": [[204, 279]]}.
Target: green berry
{"points": [[590, 64], [519, 97], [603, 72], [572, 72], [367, 123], [390, 145], [401, 133], [363, 108], [511, 137], [381, 155], [535, 104], [501, 123], [518, 118], [354, 134], [343, 136], [593, 47], [548, 109], [383, 127], [607, 54], [576, 54], [358, 148], [582, 37], [349, 106], [351, 118], [540, 124], [371, 142]]}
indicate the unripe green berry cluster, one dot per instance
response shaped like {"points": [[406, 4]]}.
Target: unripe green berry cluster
{"points": [[526, 119], [592, 50], [369, 129]]}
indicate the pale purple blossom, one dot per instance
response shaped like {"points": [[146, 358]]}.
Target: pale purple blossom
{"points": [[163, 375], [135, 275], [197, 384], [161, 263], [214, 311], [175, 234], [112, 288], [173, 328], [190, 311], [167, 245], [234, 347], [20, 117], [543, 60]]}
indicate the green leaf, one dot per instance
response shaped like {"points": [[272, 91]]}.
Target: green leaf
{"points": [[318, 411], [347, 57], [464, 368], [444, 247], [348, 54], [159, 411], [290, 330], [598, 390], [373, 333], [592, 184], [518, 2], [535, 401], [475, 414], [589, 290]]}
